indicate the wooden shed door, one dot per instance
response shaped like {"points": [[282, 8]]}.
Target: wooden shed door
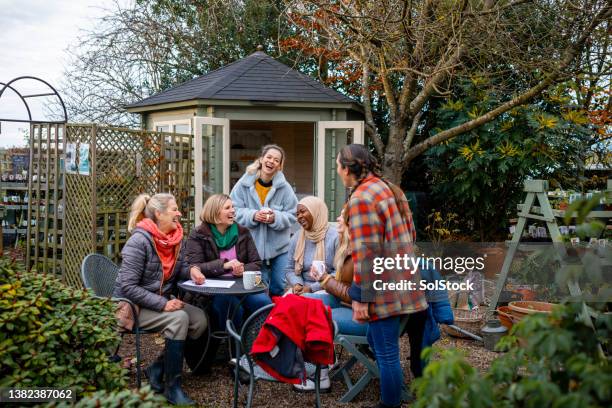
{"points": [[331, 137], [211, 150]]}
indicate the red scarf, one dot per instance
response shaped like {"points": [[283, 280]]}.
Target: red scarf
{"points": [[166, 245]]}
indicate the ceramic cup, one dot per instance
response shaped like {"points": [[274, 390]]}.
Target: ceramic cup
{"points": [[250, 279], [320, 267]]}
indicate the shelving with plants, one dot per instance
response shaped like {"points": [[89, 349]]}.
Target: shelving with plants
{"points": [[246, 147], [47, 217], [590, 217], [14, 197], [240, 159], [14, 165]]}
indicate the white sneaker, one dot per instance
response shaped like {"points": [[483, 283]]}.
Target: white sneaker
{"points": [[334, 365], [324, 383]]}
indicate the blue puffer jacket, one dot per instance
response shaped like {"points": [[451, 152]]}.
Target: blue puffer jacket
{"points": [[271, 240]]}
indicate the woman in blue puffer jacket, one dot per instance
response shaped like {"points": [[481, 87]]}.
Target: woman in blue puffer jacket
{"points": [[266, 204]]}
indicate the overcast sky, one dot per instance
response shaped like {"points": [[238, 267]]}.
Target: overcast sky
{"points": [[34, 35]]}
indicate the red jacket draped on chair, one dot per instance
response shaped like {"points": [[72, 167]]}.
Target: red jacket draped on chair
{"points": [[297, 329]]}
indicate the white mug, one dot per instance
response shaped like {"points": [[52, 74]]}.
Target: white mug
{"points": [[249, 279], [320, 267]]}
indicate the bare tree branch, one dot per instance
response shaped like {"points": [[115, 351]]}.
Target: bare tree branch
{"points": [[423, 50], [569, 57], [412, 131], [367, 99]]}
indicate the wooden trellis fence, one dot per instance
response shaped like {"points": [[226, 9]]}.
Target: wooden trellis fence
{"points": [[100, 170], [45, 242]]}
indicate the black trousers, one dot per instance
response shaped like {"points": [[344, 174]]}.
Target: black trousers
{"points": [[414, 329]]}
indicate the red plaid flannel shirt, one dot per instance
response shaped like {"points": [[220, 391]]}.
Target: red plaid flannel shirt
{"points": [[375, 218]]}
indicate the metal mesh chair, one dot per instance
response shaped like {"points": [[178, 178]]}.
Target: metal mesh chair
{"points": [[99, 274], [244, 342]]}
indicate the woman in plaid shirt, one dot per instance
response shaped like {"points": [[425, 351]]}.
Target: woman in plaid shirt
{"points": [[380, 225]]}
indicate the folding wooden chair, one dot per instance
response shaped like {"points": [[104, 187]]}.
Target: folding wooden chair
{"points": [[355, 345]]}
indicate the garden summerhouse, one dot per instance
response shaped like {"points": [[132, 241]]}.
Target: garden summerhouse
{"points": [[235, 110]]}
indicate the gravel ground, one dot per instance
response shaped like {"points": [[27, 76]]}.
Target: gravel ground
{"points": [[216, 388]]}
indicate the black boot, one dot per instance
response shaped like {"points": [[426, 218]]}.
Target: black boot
{"points": [[155, 374], [173, 368], [381, 405]]}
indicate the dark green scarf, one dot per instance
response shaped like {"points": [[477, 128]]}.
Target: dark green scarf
{"points": [[227, 240]]}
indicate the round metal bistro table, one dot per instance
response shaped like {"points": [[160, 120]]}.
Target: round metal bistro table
{"points": [[238, 290]]}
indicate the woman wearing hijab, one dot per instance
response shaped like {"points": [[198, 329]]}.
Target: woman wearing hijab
{"points": [[315, 241]]}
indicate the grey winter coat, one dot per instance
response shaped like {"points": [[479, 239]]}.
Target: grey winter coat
{"points": [[141, 275], [271, 240]]}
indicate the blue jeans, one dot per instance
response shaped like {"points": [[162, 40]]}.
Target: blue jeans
{"points": [[342, 315], [273, 273], [221, 305], [383, 337]]}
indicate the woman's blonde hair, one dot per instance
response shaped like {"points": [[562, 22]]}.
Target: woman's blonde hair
{"points": [[212, 208], [255, 167], [144, 206], [344, 243]]}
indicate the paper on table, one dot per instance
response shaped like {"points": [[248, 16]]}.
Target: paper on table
{"points": [[211, 283]]}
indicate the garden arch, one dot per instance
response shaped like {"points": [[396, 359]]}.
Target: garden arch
{"points": [[82, 179], [10, 85]]}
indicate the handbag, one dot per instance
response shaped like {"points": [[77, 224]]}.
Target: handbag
{"points": [[125, 315]]}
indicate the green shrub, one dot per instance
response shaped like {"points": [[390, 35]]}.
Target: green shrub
{"points": [[143, 398], [52, 335], [482, 171], [551, 361]]}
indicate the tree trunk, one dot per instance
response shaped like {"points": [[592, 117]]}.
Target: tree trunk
{"points": [[392, 165]]}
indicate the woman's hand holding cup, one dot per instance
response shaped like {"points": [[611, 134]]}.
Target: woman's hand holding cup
{"points": [[265, 215], [318, 270]]}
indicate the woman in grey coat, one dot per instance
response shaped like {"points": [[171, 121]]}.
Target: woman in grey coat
{"points": [[152, 265], [266, 204]]}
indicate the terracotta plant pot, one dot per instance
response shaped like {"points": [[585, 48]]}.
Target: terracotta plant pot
{"points": [[506, 317], [527, 293], [508, 296], [494, 260], [525, 307]]}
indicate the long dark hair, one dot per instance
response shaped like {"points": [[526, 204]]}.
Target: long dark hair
{"points": [[360, 162]]}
